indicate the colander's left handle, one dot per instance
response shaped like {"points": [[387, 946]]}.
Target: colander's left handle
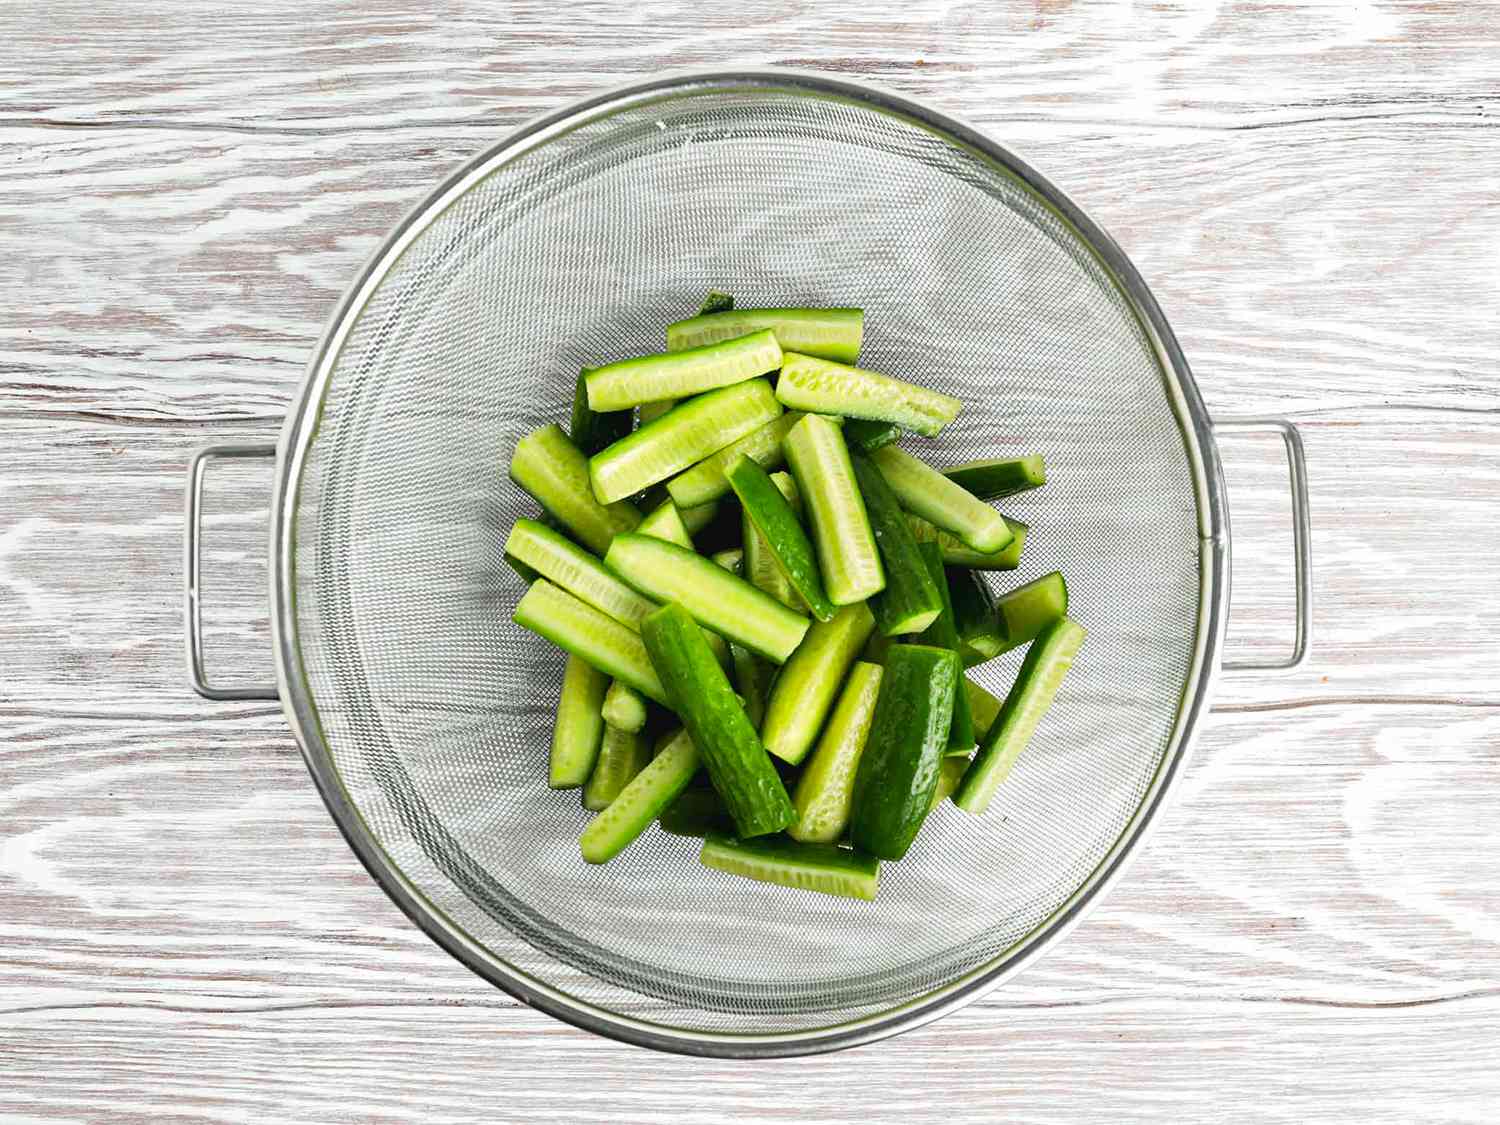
{"points": [[193, 570]]}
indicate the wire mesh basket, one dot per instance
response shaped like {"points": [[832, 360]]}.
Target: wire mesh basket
{"points": [[425, 715]]}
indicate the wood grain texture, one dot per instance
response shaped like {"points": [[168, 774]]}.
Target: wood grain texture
{"points": [[1313, 192]]}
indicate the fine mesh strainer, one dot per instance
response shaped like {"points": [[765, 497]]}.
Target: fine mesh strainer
{"points": [[425, 715]]}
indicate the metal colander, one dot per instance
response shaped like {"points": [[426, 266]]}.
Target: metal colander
{"points": [[425, 714]]}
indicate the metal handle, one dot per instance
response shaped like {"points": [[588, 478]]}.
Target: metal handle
{"points": [[193, 569], [1301, 537]]}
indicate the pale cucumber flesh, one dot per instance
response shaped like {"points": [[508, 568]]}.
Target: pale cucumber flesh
{"points": [[551, 468], [622, 755], [956, 553], [830, 333], [825, 868], [565, 564], [826, 788], [641, 801], [1024, 612], [580, 629], [810, 681], [579, 726], [718, 600], [665, 522], [685, 435], [682, 373], [706, 481], [820, 386], [624, 708], [847, 556], [948, 506]]}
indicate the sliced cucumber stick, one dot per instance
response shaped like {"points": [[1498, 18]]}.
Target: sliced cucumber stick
{"points": [[699, 516], [737, 762], [995, 480], [822, 387], [651, 411], [832, 333], [942, 634], [706, 481], [825, 868], [581, 630], [925, 491], [624, 708], [950, 773], [622, 755], [564, 563], [579, 725], [752, 679], [664, 522], [1022, 613], [910, 601], [956, 553], [810, 681], [1041, 674], [898, 770], [731, 559], [590, 430], [550, 467], [715, 301], [778, 525], [847, 556], [726, 604], [683, 436], [825, 791], [641, 801], [680, 374]]}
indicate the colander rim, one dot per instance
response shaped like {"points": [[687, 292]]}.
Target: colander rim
{"points": [[301, 427]]}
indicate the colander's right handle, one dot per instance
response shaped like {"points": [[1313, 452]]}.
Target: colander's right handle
{"points": [[193, 570], [1301, 537]]}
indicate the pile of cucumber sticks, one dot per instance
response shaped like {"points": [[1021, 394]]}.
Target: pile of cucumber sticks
{"points": [[811, 655]]}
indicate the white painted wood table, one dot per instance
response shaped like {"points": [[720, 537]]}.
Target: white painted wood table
{"points": [[1313, 932]]}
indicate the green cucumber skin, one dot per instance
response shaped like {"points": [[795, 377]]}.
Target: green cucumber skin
{"points": [[861, 433], [942, 634], [682, 437], [683, 373], [956, 553], [995, 480], [925, 491], [910, 601], [803, 385], [831, 333], [1021, 614], [556, 474], [898, 770], [824, 868], [581, 630], [706, 481], [622, 755], [774, 518], [720, 601], [624, 708], [547, 554], [973, 615], [847, 555], [716, 301], [591, 430], [641, 801], [697, 812], [824, 794], [737, 762], [664, 522], [579, 726], [1019, 715], [809, 682]]}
